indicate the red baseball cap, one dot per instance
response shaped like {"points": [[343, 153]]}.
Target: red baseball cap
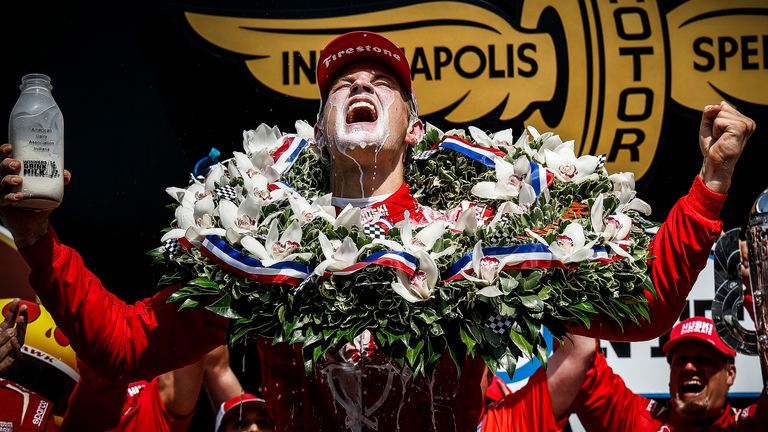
{"points": [[361, 46], [232, 407], [697, 329]]}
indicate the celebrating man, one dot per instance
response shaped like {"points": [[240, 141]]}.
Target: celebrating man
{"points": [[701, 372], [366, 123]]}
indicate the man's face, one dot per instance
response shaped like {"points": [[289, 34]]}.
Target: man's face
{"points": [[365, 114], [699, 380]]}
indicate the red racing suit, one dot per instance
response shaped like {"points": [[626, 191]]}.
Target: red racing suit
{"points": [[24, 410], [528, 409], [100, 405], [604, 403], [126, 342]]}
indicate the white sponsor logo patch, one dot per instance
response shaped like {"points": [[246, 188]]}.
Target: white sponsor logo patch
{"points": [[42, 407]]}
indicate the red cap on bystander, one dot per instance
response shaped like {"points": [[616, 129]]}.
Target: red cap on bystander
{"points": [[697, 329]]}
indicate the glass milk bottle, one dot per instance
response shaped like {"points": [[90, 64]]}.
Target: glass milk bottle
{"points": [[36, 131]]}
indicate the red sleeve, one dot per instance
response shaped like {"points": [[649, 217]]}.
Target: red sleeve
{"points": [[680, 251], [119, 341], [95, 404], [529, 408], [604, 403]]}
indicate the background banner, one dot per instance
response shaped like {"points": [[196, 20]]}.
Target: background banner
{"points": [[148, 90]]}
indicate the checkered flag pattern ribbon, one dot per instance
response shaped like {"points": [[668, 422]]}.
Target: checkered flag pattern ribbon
{"points": [[226, 192], [600, 161], [498, 324], [375, 231], [173, 247], [423, 155], [501, 238]]}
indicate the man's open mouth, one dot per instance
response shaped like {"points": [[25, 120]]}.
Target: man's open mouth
{"points": [[691, 387], [361, 112]]}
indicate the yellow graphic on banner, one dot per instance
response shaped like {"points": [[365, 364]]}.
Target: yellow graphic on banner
{"points": [[600, 72], [478, 62], [719, 49]]}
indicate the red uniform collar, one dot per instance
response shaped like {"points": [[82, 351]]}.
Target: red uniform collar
{"points": [[393, 208]]}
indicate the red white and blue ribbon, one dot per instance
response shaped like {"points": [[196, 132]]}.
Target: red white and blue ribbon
{"points": [[284, 186], [525, 256], [539, 178], [223, 254], [394, 259], [288, 152], [484, 155]]}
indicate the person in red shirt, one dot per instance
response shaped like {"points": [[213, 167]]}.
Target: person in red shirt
{"points": [[544, 403], [701, 372], [165, 403], [367, 98]]}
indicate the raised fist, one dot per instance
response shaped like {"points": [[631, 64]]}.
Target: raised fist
{"points": [[722, 136]]}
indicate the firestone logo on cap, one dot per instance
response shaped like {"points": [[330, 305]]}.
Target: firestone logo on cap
{"points": [[697, 327], [360, 48]]}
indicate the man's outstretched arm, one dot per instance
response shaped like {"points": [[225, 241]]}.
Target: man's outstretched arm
{"points": [[120, 341], [682, 245]]}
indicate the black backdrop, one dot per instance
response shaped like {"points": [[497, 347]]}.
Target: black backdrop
{"points": [[144, 98]]}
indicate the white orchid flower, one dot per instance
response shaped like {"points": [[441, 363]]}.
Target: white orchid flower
{"points": [[348, 218], [509, 180], [421, 241], [421, 285], [186, 198], [338, 254], [525, 199], [485, 270], [277, 248], [240, 220], [305, 212], [522, 143], [624, 189], [194, 216], [570, 246], [501, 139], [535, 135], [256, 170], [552, 142], [467, 221], [215, 175], [263, 138], [614, 229], [567, 167], [305, 130]]}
